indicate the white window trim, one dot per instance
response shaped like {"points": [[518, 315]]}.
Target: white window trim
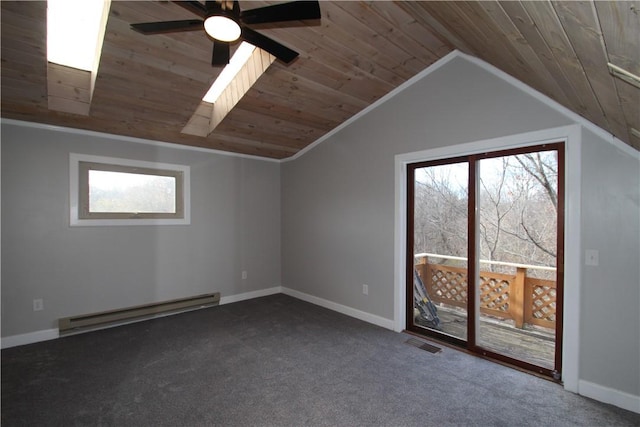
{"points": [[74, 192]]}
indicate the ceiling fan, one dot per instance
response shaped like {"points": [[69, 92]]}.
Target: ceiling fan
{"points": [[224, 22]]}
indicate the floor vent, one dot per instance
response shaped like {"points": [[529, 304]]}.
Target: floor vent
{"points": [[113, 317], [423, 345]]}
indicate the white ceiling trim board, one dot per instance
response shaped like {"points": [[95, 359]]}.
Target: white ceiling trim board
{"points": [[132, 139], [553, 104], [493, 70], [430, 69]]}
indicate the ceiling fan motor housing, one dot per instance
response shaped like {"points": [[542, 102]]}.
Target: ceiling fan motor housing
{"points": [[224, 23]]}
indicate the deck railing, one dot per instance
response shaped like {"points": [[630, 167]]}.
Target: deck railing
{"points": [[525, 300]]}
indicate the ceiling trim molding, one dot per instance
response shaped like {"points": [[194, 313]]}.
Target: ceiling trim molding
{"points": [[498, 73], [616, 142], [430, 69], [161, 144], [612, 139]]}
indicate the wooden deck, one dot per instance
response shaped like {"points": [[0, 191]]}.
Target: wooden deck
{"points": [[531, 345]]}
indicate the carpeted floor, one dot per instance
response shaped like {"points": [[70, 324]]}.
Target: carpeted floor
{"points": [[274, 361]]}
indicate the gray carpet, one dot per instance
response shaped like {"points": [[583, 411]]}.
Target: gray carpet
{"points": [[274, 361]]}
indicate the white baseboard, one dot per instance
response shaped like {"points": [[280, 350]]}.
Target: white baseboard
{"points": [[608, 395], [50, 334], [352, 312], [29, 338], [250, 295]]}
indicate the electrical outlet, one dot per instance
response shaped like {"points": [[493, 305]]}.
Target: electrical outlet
{"points": [[244, 275], [365, 289], [38, 304]]}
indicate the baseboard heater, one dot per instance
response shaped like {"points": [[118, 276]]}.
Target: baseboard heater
{"points": [[113, 317]]}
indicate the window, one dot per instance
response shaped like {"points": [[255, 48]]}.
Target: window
{"points": [[111, 191]]}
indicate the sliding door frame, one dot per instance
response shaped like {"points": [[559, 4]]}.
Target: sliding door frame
{"points": [[571, 137], [473, 218]]}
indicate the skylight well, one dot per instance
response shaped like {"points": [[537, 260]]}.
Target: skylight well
{"points": [[75, 31], [244, 69], [230, 71]]}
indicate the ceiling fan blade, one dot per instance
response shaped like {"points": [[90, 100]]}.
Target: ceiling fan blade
{"points": [[147, 28], [193, 6], [212, 6], [292, 11], [221, 55], [281, 52]]}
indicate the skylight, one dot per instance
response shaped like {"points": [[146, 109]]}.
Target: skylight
{"points": [[236, 79], [74, 31], [625, 75], [240, 57]]}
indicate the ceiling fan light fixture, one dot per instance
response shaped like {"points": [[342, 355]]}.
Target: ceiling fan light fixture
{"points": [[222, 28]]}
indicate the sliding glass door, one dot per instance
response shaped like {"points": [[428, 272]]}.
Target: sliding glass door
{"points": [[484, 247], [440, 247]]}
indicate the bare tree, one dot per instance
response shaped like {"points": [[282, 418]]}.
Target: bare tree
{"points": [[537, 225], [518, 205], [440, 213]]}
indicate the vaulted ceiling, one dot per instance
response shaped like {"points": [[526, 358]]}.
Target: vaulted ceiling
{"points": [[151, 86]]}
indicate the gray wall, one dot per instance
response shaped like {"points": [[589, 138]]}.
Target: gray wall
{"points": [[337, 216], [610, 305], [235, 225], [338, 208], [338, 198]]}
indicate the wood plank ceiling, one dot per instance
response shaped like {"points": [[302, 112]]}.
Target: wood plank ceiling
{"points": [[150, 86]]}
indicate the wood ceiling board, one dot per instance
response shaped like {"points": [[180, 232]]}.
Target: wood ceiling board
{"points": [[162, 59], [555, 36], [351, 39], [23, 42], [397, 39], [281, 128], [495, 43], [152, 80], [249, 146], [543, 78], [265, 105], [339, 50], [583, 30], [299, 111], [501, 43], [297, 87], [425, 18], [421, 34], [620, 24], [348, 83], [382, 48], [150, 86], [529, 29]]}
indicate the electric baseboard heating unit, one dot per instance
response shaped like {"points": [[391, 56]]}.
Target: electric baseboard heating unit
{"points": [[140, 312]]}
